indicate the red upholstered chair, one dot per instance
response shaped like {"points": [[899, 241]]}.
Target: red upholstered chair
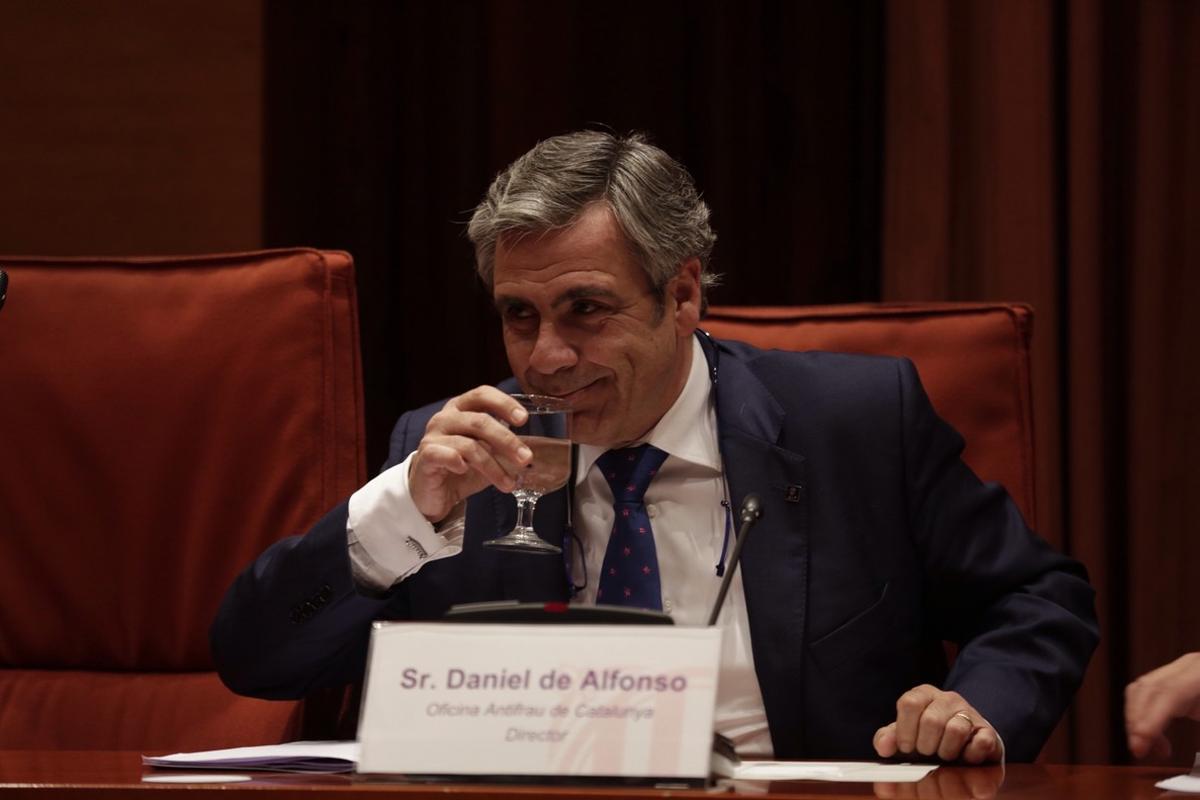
{"points": [[162, 420], [973, 359]]}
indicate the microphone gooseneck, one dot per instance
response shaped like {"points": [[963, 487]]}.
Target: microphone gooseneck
{"points": [[748, 513]]}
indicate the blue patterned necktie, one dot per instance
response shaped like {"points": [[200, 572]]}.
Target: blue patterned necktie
{"points": [[629, 576]]}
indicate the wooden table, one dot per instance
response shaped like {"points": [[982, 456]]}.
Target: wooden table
{"points": [[46, 774]]}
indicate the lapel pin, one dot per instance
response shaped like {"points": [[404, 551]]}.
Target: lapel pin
{"points": [[792, 493]]}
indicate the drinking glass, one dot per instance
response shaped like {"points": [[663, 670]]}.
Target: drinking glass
{"points": [[547, 433]]}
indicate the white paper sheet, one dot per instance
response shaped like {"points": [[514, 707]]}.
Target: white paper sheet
{"points": [[1180, 783], [290, 757], [840, 771], [1189, 783], [196, 777]]}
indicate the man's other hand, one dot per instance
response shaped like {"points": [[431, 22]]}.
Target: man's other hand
{"points": [[931, 722], [1156, 698], [467, 446]]}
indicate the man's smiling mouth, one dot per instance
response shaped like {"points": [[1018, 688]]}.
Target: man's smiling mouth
{"points": [[572, 394]]}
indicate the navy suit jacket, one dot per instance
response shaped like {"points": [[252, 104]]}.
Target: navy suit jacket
{"points": [[876, 544]]}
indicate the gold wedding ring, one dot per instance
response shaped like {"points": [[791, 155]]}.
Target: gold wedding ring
{"points": [[965, 716]]}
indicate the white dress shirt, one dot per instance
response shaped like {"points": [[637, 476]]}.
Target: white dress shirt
{"points": [[390, 540]]}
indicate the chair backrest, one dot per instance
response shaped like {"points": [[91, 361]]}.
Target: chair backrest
{"points": [[973, 359], [162, 420]]}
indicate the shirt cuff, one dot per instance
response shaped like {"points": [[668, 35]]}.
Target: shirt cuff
{"points": [[388, 538]]}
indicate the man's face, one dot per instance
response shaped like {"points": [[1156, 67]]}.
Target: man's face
{"points": [[581, 321]]}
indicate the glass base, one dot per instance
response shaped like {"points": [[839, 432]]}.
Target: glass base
{"points": [[524, 540]]}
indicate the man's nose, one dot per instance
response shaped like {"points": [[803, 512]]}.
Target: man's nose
{"points": [[551, 352]]}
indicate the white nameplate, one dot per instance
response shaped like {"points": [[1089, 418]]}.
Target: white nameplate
{"points": [[575, 700]]}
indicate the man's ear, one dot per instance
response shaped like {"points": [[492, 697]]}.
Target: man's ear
{"points": [[684, 289]]}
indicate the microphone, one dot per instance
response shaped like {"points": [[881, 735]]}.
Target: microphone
{"points": [[749, 513], [3, 287]]}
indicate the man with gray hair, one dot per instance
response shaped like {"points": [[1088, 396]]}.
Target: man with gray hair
{"points": [[876, 542]]}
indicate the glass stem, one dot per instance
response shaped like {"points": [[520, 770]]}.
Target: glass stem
{"points": [[525, 505]]}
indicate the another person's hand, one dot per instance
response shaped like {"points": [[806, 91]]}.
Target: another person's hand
{"points": [[1153, 700], [936, 723], [466, 448]]}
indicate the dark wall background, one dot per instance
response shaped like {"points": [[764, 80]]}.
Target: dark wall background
{"points": [[130, 128], [385, 122]]}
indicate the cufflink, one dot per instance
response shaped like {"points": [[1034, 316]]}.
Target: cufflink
{"points": [[304, 611]]}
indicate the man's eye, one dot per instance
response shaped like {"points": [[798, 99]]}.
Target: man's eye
{"points": [[518, 313], [585, 307]]}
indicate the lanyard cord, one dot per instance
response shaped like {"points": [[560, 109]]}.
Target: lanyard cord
{"points": [[725, 542], [570, 538], [570, 542]]}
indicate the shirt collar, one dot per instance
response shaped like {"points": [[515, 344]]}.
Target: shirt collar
{"points": [[687, 431]]}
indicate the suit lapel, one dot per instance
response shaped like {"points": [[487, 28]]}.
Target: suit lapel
{"points": [[775, 557]]}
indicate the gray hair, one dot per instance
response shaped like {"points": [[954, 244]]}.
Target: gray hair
{"points": [[650, 194]]}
